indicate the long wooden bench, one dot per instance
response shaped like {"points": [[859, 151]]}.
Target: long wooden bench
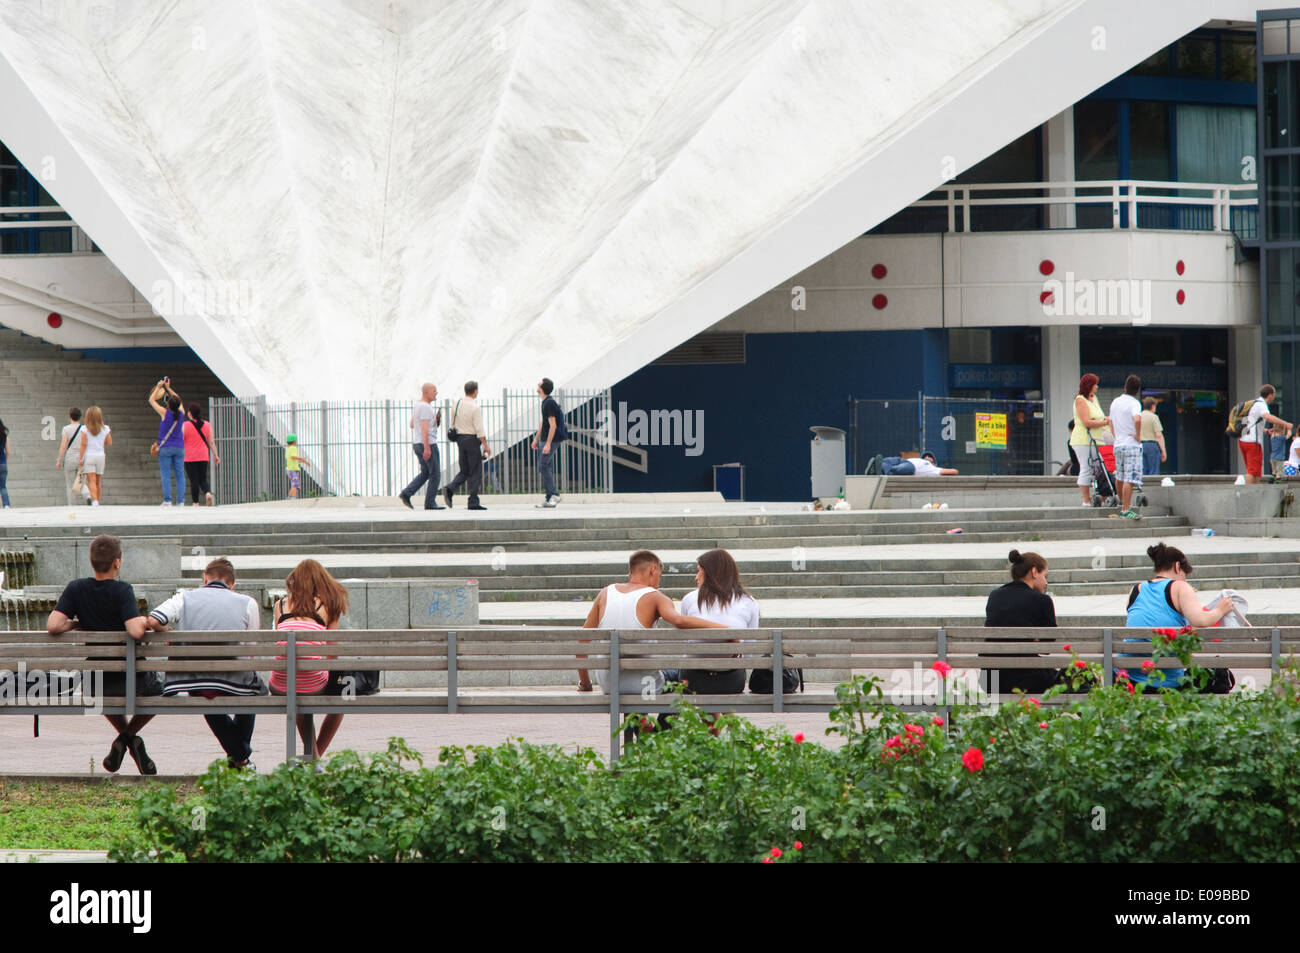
{"points": [[903, 655]]}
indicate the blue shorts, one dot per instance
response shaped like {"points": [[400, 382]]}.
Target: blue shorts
{"points": [[295, 480]]}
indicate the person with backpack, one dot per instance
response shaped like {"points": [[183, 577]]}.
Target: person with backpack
{"points": [[555, 432], [1245, 422]]}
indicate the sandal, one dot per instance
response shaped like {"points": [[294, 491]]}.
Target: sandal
{"points": [[584, 686]]}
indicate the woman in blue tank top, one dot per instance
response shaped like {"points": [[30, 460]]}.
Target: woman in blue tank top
{"points": [[1167, 601]]}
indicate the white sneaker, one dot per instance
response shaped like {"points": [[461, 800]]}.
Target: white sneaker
{"points": [[551, 502], [166, 503], [94, 502]]}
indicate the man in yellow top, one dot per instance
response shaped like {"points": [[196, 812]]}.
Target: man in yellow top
{"points": [[1153, 439]]}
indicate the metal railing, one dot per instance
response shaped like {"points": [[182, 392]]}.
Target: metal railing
{"points": [[977, 436], [1112, 203], [364, 448], [40, 230]]}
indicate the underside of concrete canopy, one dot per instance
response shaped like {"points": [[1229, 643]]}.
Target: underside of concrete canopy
{"points": [[331, 198]]}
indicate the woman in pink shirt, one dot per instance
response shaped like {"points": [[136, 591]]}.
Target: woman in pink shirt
{"points": [[198, 446], [314, 602]]}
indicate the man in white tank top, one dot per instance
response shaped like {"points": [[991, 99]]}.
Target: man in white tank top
{"points": [[636, 604]]}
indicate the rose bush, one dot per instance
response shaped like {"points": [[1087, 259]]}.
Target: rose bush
{"points": [[1108, 776]]}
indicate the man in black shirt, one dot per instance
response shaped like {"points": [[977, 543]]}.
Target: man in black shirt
{"points": [[550, 435], [103, 603]]}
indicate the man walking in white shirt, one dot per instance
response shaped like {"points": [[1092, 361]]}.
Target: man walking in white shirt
{"points": [[424, 438], [1126, 419]]}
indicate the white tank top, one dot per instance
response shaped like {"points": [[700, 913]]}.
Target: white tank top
{"points": [[620, 613]]}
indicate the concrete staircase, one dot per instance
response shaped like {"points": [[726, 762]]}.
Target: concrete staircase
{"points": [[40, 380]]}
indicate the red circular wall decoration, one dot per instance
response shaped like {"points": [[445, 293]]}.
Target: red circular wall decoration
{"points": [[1182, 296], [1180, 267], [54, 319], [1046, 297], [878, 271], [1046, 266], [879, 302]]}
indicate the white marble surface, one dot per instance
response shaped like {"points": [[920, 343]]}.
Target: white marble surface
{"points": [[472, 188]]}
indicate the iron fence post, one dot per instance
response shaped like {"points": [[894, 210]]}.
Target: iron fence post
{"points": [[261, 443], [324, 449], [388, 448]]}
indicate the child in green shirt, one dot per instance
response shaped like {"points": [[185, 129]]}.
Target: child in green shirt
{"points": [[293, 462]]}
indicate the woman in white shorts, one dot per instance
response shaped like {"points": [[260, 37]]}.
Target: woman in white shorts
{"points": [[96, 438]]}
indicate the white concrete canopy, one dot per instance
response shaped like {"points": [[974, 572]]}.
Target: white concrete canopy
{"points": [[330, 198]]}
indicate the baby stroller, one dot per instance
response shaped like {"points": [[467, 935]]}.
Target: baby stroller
{"points": [[1104, 491], [1102, 459]]}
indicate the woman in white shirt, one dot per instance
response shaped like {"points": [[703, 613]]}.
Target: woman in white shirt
{"points": [[719, 597], [96, 438]]}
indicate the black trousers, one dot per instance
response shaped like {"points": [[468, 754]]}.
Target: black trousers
{"points": [[471, 467], [196, 478], [235, 732]]}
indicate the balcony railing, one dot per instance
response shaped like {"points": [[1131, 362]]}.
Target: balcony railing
{"points": [[40, 230], [1113, 204]]}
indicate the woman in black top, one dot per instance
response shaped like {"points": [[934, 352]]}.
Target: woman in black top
{"points": [[1021, 604]]}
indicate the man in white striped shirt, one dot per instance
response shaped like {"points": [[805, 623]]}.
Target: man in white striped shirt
{"points": [[215, 607]]}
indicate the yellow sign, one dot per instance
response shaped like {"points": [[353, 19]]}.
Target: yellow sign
{"points": [[991, 431]]}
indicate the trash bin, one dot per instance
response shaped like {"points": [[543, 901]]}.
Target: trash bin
{"points": [[828, 466], [729, 480]]}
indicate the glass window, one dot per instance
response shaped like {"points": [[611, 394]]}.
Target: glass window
{"points": [[1280, 197], [1281, 373], [1114, 345], [1157, 64], [1096, 156], [1277, 108], [1274, 37], [1160, 347], [1283, 287], [1213, 141], [1018, 161], [1237, 57], [1149, 141], [1196, 57]]}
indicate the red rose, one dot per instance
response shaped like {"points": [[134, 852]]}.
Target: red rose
{"points": [[776, 851], [798, 845], [1216, 640], [1122, 675], [914, 729], [1067, 646], [1148, 666], [973, 759], [767, 860], [1131, 690], [1080, 663], [936, 720], [943, 668], [1042, 724], [798, 737]]}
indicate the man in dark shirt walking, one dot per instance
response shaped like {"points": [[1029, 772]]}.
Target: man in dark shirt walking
{"points": [[103, 603], [550, 435]]}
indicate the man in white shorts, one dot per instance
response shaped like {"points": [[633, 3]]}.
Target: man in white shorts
{"points": [[1126, 417]]}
